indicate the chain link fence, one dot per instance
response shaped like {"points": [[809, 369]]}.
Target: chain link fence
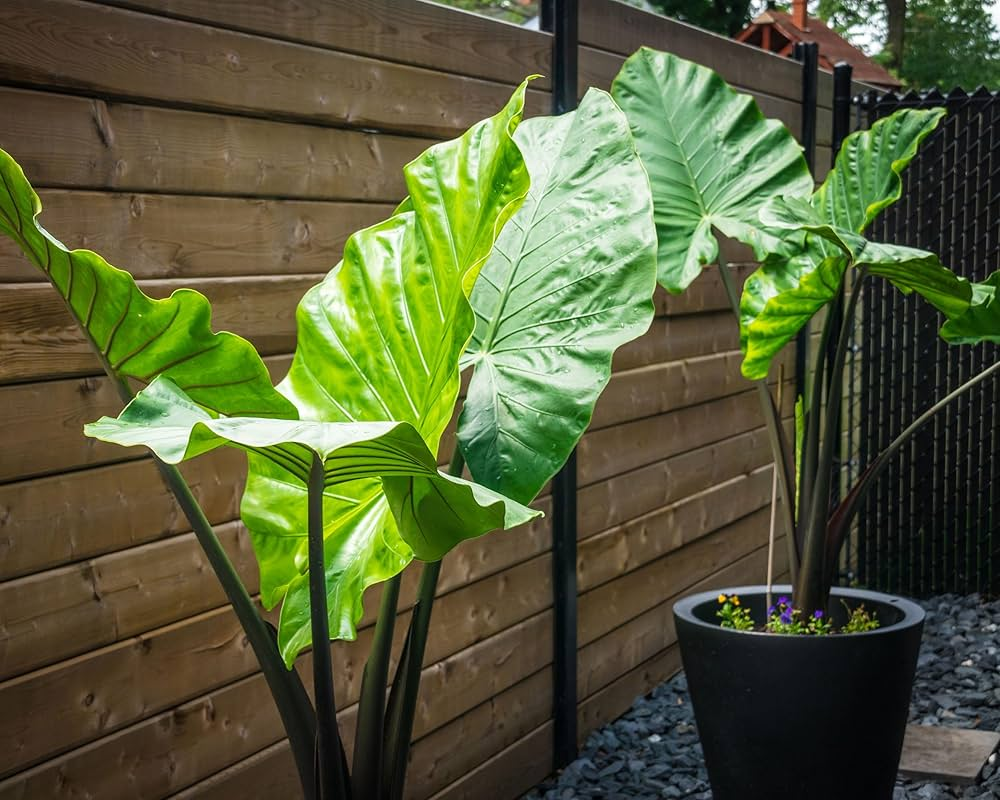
{"points": [[932, 524]]}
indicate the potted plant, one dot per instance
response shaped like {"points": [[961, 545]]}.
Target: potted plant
{"points": [[817, 715], [525, 251]]}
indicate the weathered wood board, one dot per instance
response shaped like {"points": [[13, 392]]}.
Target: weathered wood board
{"points": [[945, 755]]}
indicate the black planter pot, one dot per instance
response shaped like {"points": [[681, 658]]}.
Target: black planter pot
{"points": [[800, 717]]}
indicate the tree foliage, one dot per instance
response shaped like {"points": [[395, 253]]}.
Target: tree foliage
{"points": [[944, 43], [727, 17], [950, 43]]}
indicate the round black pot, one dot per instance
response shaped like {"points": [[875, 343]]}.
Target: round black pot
{"points": [[800, 717]]}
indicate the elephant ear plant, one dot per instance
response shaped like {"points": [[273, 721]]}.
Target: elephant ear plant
{"points": [[716, 164], [526, 251]]}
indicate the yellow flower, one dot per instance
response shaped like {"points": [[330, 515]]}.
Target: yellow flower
{"points": [[722, 598], [734, 600]]}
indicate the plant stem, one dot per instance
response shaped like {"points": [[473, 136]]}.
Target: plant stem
{"points": [[403, 697], [775, 432], [811, 438], [367, 771], [848, 509], [329, 753], [294, 706], [286, 686], [812, 590]]}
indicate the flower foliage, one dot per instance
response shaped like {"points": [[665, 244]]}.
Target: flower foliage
{"points": [[734, 615]]}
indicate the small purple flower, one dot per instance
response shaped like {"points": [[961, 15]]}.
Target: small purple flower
{"points": [[817, 614], [786, 616], [770, 611], [782, 601]]}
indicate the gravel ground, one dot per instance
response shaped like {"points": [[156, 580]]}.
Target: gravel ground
{"points": [[653, 750]]}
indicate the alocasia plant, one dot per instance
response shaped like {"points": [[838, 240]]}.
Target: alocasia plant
{"points": [[715, 163], [343, 489]]}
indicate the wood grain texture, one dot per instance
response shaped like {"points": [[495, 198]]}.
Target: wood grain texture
{"points": [[945, 755], [102, 50], [658, 388], [232, 147], [108, 614], [403, 31], [612, 451], [60, 613], [617, 552], [40, 339], [459, 675], [55, 412], [613, 603], [605, 660], [65, 141], [526, 762], [183, 237]]}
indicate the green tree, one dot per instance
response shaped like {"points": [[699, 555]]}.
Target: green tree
{"points": [[950, 43], [927, 43]]}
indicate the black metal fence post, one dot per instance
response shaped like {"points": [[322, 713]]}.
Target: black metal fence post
{"points": [[560, 17], [808, 54]]}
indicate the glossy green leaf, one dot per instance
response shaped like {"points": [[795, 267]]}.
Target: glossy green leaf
{"points": [[712, 157], [790, 287], [783, 294], [380, 339], [779, 298], [866, 177], [570, 280], [139, 337], [434, 511], [980, 322]]}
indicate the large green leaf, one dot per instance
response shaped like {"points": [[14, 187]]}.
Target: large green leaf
{"points": [[981, 321], [434, 511], [712, 158], [571, 279], [783, 294], [866, 177], [790, 287], [139, 337], [380, 339]]}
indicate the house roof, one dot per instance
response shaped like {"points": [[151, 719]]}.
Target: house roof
{"points": [[782, 34]]}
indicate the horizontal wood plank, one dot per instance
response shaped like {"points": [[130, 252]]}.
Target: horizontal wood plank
{"points": [[622, 448], [182, 237], [471, 614], [623, 29], [436, 761], [603, 661], [614, 603], [659, 388], [404, 31], [40, 339], [71, 142], [111, 615], [120, 53], [617, 552], [508, 774]]}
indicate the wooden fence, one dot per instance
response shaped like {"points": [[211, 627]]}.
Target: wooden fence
{"points": [[232, 146]]}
